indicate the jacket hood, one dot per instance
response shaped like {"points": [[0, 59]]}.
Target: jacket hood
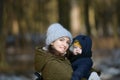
{"points": [[86, 44]]}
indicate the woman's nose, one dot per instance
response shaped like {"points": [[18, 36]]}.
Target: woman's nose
{"points": [[65, 44]]}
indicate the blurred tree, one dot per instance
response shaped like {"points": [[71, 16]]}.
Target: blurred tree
{"points": [[1, 15], [64, 12], [117, 5], [86, 4], [3, 63]]}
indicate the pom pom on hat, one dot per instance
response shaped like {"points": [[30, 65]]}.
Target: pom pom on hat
{"points": [[56, 31]]}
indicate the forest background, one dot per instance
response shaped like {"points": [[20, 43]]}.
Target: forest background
{"points": [[23, 25]]}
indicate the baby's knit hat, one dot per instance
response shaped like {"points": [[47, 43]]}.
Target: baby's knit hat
{"points": [[56, 31], [77, 43]]}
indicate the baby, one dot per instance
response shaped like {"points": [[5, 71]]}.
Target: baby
{"points": [[80, 57]]}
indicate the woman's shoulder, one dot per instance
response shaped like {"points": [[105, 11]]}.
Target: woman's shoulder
{"points": [[43, 51], [40, 49]]}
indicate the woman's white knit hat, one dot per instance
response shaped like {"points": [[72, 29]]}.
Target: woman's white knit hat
{"points": [[56, 31]]}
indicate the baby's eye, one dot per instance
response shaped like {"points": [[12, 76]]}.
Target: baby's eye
{"points": [[74, 47]]}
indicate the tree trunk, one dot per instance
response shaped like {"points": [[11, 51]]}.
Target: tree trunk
{"points": [[1, 16], [86, 16], [64, 12]]}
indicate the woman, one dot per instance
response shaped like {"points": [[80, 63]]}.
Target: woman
{"points": [[50, 61]]}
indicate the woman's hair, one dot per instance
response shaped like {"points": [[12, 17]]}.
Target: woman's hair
{"points": [[52, 50]]}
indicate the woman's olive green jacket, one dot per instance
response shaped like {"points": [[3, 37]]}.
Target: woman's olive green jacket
{"points": [[52, 67]]}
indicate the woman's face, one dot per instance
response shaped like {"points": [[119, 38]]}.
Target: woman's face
{"points": [[61, 44]]}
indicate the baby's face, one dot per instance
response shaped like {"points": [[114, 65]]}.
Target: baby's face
{"points": [[77, 50]]}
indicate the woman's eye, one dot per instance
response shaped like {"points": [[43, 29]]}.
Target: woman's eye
{"points": [[68, 43], [61, 39]]}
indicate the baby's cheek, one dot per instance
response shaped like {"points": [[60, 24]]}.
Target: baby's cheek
{"points": [[74, 51], [80, 51]]}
